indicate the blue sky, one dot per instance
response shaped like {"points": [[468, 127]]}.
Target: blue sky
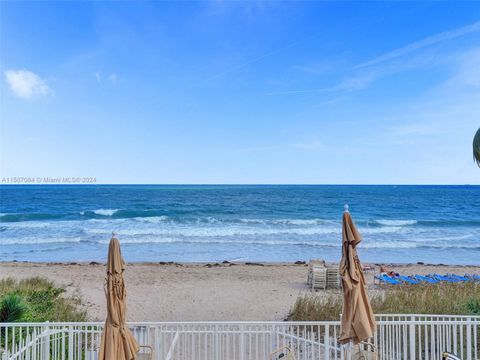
{"points": [[241, 92]]}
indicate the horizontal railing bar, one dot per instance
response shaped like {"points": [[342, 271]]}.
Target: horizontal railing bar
{"points": [[167, 323], [303, 340], [266, 323], [432, 315]]}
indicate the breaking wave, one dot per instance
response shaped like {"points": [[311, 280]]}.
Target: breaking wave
{"points": [[396, 222], [102, 212]]}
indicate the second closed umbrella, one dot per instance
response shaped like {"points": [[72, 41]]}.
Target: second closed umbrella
{"points": [[358, 322]]}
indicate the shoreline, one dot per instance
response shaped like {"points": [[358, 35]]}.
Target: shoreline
{"points": [[197, 291], [227, 262]]}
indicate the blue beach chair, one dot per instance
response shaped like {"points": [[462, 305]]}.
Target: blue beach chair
{"points": [[387, 279], [473, 277], [444, 278], [408, 280], [426, 279], [458, 277]]}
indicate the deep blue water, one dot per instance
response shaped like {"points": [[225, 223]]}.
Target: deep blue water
{"points": [[434, 224]]}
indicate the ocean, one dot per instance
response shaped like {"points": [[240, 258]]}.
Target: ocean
{"points": [[399, 224]]}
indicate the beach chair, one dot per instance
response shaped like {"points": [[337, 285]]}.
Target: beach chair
{"points": [[317, 275], [311, 265], [473, 277], [407, 280], [387, 280], [426, 279], [458, 277], [319, 278], [444, 278], [333, 277], [284, 353], [145, 353]]}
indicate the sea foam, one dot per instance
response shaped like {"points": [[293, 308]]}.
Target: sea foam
{"points": [[396, 222], [102, 212]]}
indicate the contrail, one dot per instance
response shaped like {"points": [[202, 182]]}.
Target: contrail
{"points": [[431, 40]]}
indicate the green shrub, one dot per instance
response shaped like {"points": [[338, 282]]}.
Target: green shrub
{"points": [[42, 300], [473, 306]]}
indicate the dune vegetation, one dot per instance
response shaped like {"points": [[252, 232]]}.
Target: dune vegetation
{"points": [[451, 299], [37, 299]]}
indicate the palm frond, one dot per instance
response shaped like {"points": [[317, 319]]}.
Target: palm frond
{"points": [[12, 308], [476, 147]]}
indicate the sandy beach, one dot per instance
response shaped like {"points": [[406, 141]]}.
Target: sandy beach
{"points": [[189, 292]]}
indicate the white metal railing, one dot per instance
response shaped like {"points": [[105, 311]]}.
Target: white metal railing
{"points": [[398, 337]]}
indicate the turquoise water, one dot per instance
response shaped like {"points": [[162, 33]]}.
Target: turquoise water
{"points": [[433, 224]]}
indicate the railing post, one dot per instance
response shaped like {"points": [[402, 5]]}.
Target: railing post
{"points": [[469, 339], [242, 342], [326, 349], [70, 342], [46, 343], [216, 354], [5, 339], [412, 340], [154, 342]]}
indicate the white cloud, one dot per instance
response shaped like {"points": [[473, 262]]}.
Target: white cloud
{"points": [[27, 85], [113, 78], [365, 75], [417, 45], [467, 71], [392, 62]]}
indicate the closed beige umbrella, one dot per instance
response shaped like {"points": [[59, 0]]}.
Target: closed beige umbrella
{"points": [[118, 342], [358, 322]]}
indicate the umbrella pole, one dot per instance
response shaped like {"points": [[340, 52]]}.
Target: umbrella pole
{"points": [[347, 350]]}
